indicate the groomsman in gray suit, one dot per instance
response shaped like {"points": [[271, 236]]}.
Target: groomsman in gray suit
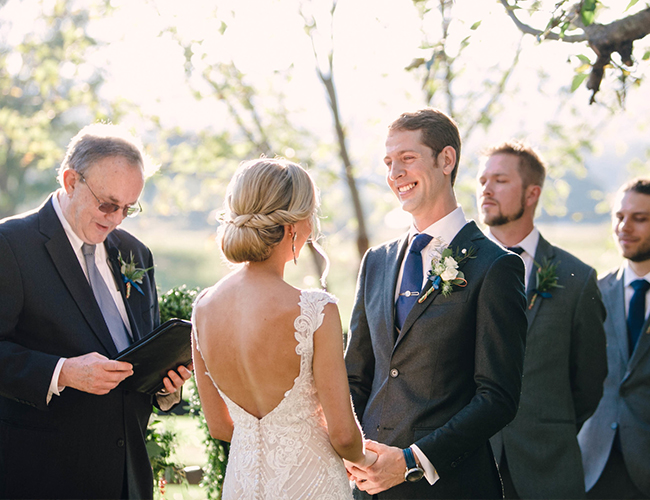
{"points": [[437, 332], [615, 441], [565, 362]]}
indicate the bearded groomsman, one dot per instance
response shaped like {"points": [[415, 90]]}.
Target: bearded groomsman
{"points": [[565, 361], [615, 441]]}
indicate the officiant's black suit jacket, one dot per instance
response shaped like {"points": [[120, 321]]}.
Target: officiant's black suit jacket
{"points": [[80, 445], [453, 377]]}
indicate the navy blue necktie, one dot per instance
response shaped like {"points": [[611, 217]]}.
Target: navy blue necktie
{"points": [[636, 314], [412, 278]]}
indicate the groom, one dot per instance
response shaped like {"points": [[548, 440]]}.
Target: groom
{"points": [[434, 366]]}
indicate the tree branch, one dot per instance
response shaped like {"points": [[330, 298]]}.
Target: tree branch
{"points": [[529, 30]]}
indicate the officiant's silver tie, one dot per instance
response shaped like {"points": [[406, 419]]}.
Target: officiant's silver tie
{"points": [[106, 303]]}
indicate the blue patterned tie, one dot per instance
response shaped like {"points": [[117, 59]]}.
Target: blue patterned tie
{"points": [[106, 303], [411, 279], [636, 314]]}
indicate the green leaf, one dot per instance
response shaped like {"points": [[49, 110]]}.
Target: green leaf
{"points": [[646, 56], [631, 4], [577, 81], [475, 25], [588, 12], [583, 59]]}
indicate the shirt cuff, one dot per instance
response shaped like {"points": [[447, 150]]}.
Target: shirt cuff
{"points": [[54, 383], [430, 473]]}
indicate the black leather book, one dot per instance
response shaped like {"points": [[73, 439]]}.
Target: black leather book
{"points": [[164, 349]]}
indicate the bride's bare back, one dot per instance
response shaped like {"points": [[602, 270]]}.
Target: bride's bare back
{"points": [[246, 332]]}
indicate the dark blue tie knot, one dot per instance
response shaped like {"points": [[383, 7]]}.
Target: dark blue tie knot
{"points": [[640, 285], [517, 250], [419, 242]]}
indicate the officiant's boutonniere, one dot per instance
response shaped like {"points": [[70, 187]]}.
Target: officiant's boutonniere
{"points": [[545, 280], [444, 271], [131, 274]]}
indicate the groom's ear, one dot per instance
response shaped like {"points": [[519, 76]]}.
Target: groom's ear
{"points": [[447, 159]]}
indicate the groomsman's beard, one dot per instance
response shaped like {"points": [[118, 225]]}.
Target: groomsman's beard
{"points": [[641, 255], [502, 219]]}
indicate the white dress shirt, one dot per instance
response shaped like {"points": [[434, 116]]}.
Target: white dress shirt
{"points": [[443, 232], [101, 260], [529, 244]]}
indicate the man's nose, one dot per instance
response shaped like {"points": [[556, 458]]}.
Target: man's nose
{"points": [[395, 171], [116, 217]]}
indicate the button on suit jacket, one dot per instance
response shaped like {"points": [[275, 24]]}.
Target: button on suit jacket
{"points": [[453, 377], [80, 445], [564, 369], [625, 405]]}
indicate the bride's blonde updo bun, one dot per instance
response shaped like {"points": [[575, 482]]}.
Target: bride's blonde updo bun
{"points": [[264, 196]]}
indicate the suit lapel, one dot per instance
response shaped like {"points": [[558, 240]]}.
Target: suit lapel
{"points": [[394, 259], [462, 240], [614, 298], [544, 252], [112, 243], [67, 264]]}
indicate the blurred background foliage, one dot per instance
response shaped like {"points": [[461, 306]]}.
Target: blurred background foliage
{"points": [[209, 84]]}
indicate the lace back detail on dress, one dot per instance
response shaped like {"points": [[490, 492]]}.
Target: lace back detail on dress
{"points": [[287, 455]]}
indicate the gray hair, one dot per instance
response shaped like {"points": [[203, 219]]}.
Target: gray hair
{"points": [[102, 140]]}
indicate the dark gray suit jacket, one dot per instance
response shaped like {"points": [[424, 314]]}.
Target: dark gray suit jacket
{"points": [[625, 405], [453, 377], [564, 369], [80, 445]]}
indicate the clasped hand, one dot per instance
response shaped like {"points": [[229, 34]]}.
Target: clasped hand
{"points": [[96, 374], [386, 472]]}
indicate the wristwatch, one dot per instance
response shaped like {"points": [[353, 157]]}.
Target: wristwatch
{"points": [[413, 471]]}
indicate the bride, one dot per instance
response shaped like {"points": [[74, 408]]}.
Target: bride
{"points": [[268, 357]]}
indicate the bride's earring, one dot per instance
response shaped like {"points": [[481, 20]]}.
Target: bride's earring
{"points": [[293, 247]]}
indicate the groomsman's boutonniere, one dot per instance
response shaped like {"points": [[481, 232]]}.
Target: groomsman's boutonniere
{"points": [[131, 274], [444, 271], [545, 280]]}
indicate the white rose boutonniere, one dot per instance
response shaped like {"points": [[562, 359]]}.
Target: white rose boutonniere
{"points": [[445, 270]]}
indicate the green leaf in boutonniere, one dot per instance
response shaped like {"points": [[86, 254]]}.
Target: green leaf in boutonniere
{"points": [[131, 274], [444, 271], [545, 281]]}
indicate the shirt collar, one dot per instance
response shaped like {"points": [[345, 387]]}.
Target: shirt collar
{"points": [[446, 228], [629, 275], [529, 243], [75, 241]]}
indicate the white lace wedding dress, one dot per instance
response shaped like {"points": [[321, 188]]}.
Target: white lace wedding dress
{"points": [[287, 455]]}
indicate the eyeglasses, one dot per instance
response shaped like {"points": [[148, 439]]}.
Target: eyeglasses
{"points": [[109, 208]]}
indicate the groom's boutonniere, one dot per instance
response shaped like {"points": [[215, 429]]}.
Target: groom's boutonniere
{"points": [[444, 270], [545, 280], [131, 274]]}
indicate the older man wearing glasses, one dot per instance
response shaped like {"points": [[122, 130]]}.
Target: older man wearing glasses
{"points": [[66, 430]]}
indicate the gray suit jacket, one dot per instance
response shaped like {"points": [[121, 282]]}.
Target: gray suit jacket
{"points": [[626, 399], [453, 377], [564, 369]]}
